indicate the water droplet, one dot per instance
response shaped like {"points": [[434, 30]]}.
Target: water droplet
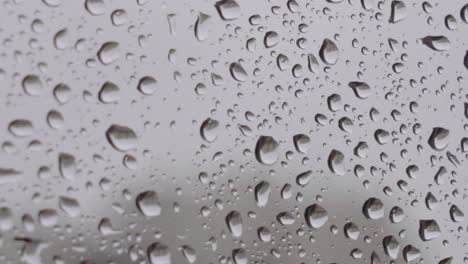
{"points": [[439, 138], [361, 89], [398, 11], [32, 85], [159, 253], [391, 246], [302, 143], [271, 39], [202, 27], [438, 43], [266, 150], [304, 178], [428, 229], [109, 93], [234, 223], [228, 9], [121, 138], [336, 162], [95, 7], [148, 204], [67, 166], [373, 208], [262, 193], [209, 130], [189, 253], [21, 128], [147, 85], [109, 52], [70, 206], [329, 52], [238, 72], [316, 216], [285, 218]]}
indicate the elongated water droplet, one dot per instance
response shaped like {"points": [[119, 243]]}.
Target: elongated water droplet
{"points": [[336, 162], [262, 193], [329, 52], [234, 223], [361, 89], [122, 138], [266, 150], [438, 43], [202, 27], [67, 166]]}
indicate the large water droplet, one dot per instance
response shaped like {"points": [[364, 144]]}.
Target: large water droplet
{"points": [[329, 52], [228, 9], [266, 150], [428, 229], [373, 208], [148, 203], [121, 138], [439, 138], [159, 253], [109, 52], [234, 223], [336, 162], [67, 166], [315, 216]]}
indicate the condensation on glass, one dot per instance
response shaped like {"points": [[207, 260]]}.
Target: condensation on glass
{"points": [[233, 131]]}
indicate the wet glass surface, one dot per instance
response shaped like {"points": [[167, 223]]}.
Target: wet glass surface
{"points": [[233, 131]]}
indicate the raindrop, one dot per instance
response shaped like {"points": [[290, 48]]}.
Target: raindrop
{"points": [[316, 216], [271, 39], [148, 203], [109, 52], [428, 229], [361, 89], [228, 9], [109, 93], [209, 130], [32, 85], [266, 150], [438, 43], [262, 193], [234, 223], [373, 208], [95, 7], [398, 11], [336, 162], [329, 52], [439, 138], [67, 166], [121, 138]]}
